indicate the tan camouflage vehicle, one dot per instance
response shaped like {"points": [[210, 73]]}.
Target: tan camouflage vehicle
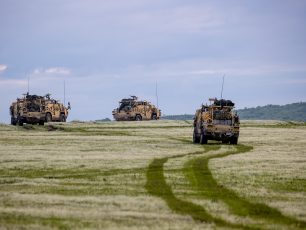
{"points": [[29, 109], [218, 121], [131, 109], [55, 111]]}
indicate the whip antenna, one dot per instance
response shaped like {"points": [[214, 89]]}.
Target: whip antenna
{"points": [[222, 86], [64, 93], [156, 94], [28, 84]]}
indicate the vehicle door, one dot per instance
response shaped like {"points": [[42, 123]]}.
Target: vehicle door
{"points": [[56, 111]]}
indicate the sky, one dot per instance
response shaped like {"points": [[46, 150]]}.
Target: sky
{"points": [[105, 50]]}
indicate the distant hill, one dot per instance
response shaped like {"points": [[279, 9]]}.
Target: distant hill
{"points": [[289, 112], [178, 117], [103, 120]]}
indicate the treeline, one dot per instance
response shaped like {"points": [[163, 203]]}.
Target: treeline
{"points": [[178, 117], [103, 120], [289, 112]]}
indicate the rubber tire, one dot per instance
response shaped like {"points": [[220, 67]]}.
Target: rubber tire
{"points": [[19, 121], [154, 117], [48, 117], [138, 118], [62, 118], [41, 122], [234, 141], [203, 139], [195, 138], [13, 121]]}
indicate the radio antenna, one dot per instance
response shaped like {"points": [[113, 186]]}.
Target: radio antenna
{"points": [[64, 93], [156, 94], [28, 83], [222, 86]]}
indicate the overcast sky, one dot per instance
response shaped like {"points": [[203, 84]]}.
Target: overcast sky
{"points": [[109, 49]]}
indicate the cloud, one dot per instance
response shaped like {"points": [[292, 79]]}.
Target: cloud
{"points": [[58, 70], [296, 82], [181, 19], [53, 71], [3, 67], [198, 68], [13, 83]]}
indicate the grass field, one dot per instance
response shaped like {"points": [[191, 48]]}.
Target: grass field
{"points": [[149, 175]]}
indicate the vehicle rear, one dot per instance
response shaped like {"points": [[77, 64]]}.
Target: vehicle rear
{"points": [[29, 109], [216, 122], [32, 113], [221, 130]]}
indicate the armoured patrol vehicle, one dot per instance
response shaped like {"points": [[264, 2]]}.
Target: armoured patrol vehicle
{"points": [[55, 111], [29, 109], [217, 121], [131, 109]]}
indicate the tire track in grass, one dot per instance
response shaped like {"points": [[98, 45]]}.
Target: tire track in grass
{"points": [[201, 179], [156, 185], [200, 176]]}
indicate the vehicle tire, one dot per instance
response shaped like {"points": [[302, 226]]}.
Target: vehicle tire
{"points": [[13, 121], [48, 117], [203, 139], [195, 138], [234, 141], [154, 117], [138, 118], [63, 118], [41, 122], [19, 121]]}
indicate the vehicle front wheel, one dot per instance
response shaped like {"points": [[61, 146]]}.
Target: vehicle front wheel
{"points": [[48, 117], [195, 138], [154, 117], [13, 121], [41, 122], [234, 141], [138, 118], [63, 118], [19, 121], [203, 139]]}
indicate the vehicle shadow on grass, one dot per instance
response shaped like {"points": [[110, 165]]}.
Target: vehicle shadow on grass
{"points": [[198, 173]]}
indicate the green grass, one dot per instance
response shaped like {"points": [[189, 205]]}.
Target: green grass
{"points": [[201, 178], [157, 186], [71, 181], [149, 175], [272, 124]]}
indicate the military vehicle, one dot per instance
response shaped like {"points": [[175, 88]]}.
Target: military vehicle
{"points": [[34, 109], [55, 111], [29, 109], [218, 121], [131, 109]]}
